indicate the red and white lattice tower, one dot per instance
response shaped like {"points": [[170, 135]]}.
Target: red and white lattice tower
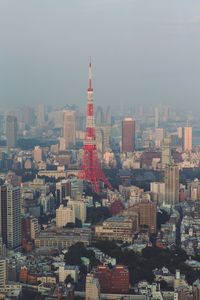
{"points": [[90, 167]]}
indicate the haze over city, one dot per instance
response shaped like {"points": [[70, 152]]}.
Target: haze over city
{"points": [[143, 52], [99, 150]]}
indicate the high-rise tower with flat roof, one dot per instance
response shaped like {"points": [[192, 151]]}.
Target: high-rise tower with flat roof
{"points": [[10, 216], [11, 131], [187, 138], [69, 129], [128, 135]]}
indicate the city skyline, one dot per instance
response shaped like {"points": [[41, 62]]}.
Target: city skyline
{"points": [[45, 49]]}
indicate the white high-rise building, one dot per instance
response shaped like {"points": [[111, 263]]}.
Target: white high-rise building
{"points": [[64, 215], [79, 208], [158, 192]]}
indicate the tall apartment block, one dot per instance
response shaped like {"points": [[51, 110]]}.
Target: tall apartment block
{"points": [[128, 135], [10, 216], [172, 185], [69, 129], [11, 131], [187, 138]]}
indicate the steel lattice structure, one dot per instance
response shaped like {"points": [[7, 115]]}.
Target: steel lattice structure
{"points": [[90, 168]]}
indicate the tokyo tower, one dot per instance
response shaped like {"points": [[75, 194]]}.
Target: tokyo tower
{"points": [[90, 168]]}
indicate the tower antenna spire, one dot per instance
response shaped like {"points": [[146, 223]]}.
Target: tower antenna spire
{"points": [[90, 167], [90, 75]]}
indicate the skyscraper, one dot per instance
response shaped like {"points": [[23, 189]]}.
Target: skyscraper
{"points": [[69, 129], [10, 216], [128, 135], [40, 114], [11, 131], [187, 138], [147, 215], [166, 153], [156, 117], [172, 185]]}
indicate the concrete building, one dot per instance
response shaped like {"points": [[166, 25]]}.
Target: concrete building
{"points": [[156, 118], [40, 115], [115, 280], [158, 192], [11, 131], [64, 271], [196, 290], [10, 216], [79, 208], [37, 154], [30, 227], [147, 215], [69, 129], [128, 135], [166, 153], [64, 215], [187, 138], [92, 288], [2, 272], [116, 228], [172, 185], [62, 237], [159, 135]]}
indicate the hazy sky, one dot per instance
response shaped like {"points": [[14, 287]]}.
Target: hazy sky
{"points": [[143, 51]]}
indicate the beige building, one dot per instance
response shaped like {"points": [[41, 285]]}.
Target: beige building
{"points": [[69, 129], [92, 288], [65, 270], [187, 138], [172, 185], [62, 237], [40, 114], [116, 228], [64, 215], [37, 154]]}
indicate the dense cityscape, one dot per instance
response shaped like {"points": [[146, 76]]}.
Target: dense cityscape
{"points": [[99, 203], [99, 150]]}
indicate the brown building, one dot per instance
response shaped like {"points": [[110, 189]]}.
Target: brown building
{"points": [[128, 135], [196, 290], [114, 280], [147, 215], [23, 274]]}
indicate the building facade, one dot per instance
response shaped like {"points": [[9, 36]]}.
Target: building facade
{"points": [[115, 280], [11, 131], [64, 215], [69, 129], [10, 216], [172, 185], [187, 138], [128, 135]]}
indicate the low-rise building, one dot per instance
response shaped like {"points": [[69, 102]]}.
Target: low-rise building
{"points": [[117, 228]]}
